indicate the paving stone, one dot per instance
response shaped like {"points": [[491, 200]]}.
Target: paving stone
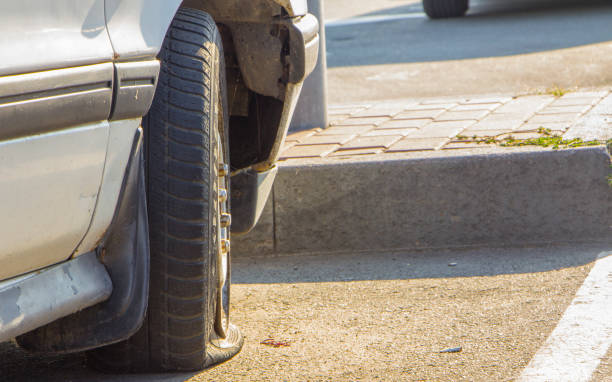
{"points": [[526, 135], [337, 119], [565, 109], [383, 109], [560, 117], [346, 130], [576, 101], [353, 121], [462, 115], [486, 100], [466, 145], [420, 114], [372, 113], [484, 133], [525, 106], [295, 137], [402, 132], [287, 146], [417, 144], [499, 121], [335, 112], [372, 141], [353, 152], [555, 126], [443, 101], [348, 106], [433, 106], [404, 123], [477, 106], [327, 139], [308, 151], [599, 94], [446, 129]]}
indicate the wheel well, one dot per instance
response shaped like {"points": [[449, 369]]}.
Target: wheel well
{"points": [[255, 47]]}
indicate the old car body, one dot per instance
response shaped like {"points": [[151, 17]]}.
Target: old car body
{"points": [[76, 77]]}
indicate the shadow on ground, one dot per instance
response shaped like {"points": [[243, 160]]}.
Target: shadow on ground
{"points": [[17, 365], [412, 265], [492, 28]]}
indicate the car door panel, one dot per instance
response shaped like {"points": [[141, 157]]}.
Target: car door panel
{"points": [[56, 92], [39, 102], [48, 190], [51, 34], [137, 27]]}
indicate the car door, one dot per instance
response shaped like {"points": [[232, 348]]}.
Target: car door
{"points": [[56, 89]]}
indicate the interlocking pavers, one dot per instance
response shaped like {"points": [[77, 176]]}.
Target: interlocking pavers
{"points": [[347, 130], [371, 141], [477, 106], [526, 106], [551, 118], [444, 129], [496, 120], [327, 139], [343, 111], [404, 123], [417, 144], [349, 106], [484, 133], [552, 109], [337, 119], [575, 101], [485, 100], [553, 126], [347, 153], [431, 106], [295, 137], [363, 121], [462, 115], [402, 132], [408, 126], [420, 114], [595, 94], [308, 151], [467, 145], [442, 101], [385, 110]]}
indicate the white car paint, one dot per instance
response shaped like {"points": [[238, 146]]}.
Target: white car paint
{"points": [[48, 189]]}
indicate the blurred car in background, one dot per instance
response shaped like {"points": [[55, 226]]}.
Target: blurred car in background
{"points": [[438, 9]]}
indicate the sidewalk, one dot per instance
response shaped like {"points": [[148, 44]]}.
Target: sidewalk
{"points": [[443, 173], [446, 124]]}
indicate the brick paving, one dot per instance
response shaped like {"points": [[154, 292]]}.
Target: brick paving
{"points": [[438, 124]]}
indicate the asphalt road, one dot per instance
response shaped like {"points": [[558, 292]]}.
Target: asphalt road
{"points": [[389, 49], [376, 316]]}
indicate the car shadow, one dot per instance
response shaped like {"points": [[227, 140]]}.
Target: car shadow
{"points": [[17, 365], [492, 28], [404, 265]]}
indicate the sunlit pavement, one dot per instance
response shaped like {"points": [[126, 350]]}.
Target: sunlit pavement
{"points": [[500, 47]]}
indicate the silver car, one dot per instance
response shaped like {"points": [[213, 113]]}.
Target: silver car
{"points": [[124, 124]]}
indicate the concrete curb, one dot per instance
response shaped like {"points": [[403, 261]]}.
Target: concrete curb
{"points": [[508, 198]]}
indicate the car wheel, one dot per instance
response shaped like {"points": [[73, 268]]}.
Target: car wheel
{"points": [[187, 325], [437, 9]]}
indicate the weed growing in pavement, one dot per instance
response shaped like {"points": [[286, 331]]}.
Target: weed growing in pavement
{"points": [[557, 91], [546, 139]]}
